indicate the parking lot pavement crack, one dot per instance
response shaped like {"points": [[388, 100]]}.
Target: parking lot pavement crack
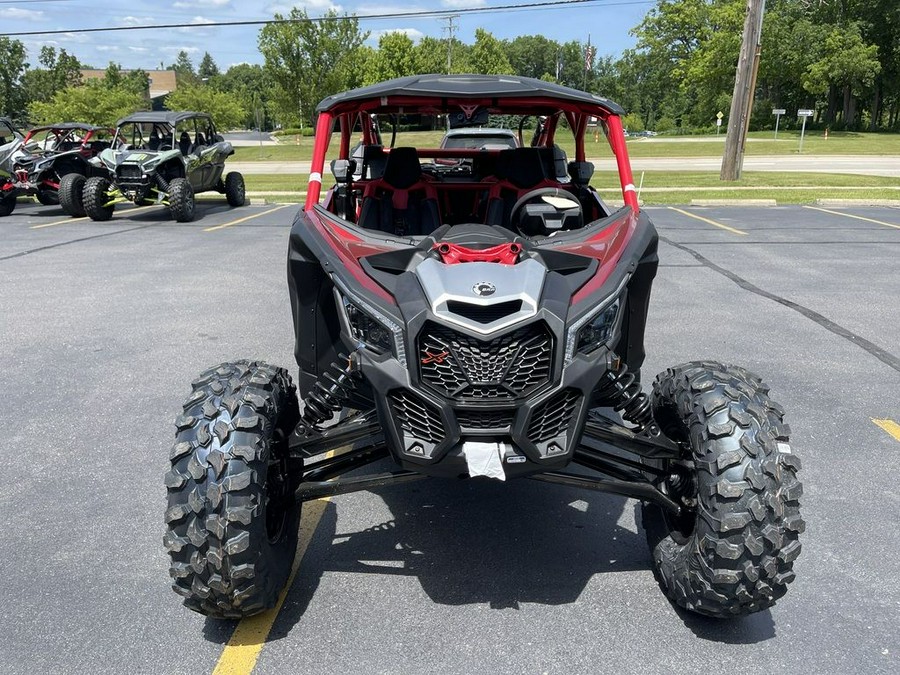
{"points": [[21, 254], [879, 353]]}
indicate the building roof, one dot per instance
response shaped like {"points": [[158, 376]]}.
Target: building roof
{"points": [[162, 82], [469, 86]]}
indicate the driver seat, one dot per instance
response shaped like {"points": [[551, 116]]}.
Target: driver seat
{"points": [[518, 171], [403, 201]]}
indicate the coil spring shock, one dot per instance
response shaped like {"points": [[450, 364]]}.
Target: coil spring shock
{"points": [[329, 393], [622, 387], [162, 182]]}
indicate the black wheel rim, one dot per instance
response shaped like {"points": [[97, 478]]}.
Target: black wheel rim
{"points": [[681, 486], [277, 497]]}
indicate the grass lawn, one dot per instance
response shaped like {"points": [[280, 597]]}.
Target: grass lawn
{"points": [[679, 187]]}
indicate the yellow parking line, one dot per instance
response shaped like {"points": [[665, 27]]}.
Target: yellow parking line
{"points": [[75, 220], [242, 651], [850, 215], [245, 218], [707, 220], [57, 222], [889, 426]]}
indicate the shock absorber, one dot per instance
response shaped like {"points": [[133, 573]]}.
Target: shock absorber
{"points": [[624, 391], [328, 394]]}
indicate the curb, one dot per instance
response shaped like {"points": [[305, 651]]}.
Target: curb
{"points": [[734, 202]]}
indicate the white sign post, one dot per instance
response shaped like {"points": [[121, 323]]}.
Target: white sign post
{"points": [[804, 114], [778, 112], [719, 117]]}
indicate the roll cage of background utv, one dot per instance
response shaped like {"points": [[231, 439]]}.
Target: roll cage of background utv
{"points": [[477, 318]]}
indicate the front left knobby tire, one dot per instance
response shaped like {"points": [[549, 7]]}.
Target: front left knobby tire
{"points": [[232, 521], [71, 194], [96, 198], [732, 551], [181, 200]]}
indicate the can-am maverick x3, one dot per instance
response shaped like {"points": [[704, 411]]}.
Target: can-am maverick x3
{"points": [[477, 318]]}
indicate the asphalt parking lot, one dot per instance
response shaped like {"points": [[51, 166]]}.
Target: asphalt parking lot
{"points": [[103, 326]]}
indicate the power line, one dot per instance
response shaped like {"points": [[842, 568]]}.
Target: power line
{"points": [[426, 14]]}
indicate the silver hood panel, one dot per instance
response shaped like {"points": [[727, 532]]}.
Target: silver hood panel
{"points": [[482, 284]]}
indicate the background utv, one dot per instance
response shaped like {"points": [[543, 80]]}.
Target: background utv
{"points": [[163, 158], [478, 319]]}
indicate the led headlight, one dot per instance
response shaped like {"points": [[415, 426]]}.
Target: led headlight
{"points": [[594, 331], [367, 330], [371, 327]]}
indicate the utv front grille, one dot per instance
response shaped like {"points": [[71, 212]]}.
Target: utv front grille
{"points": [[130, 172], [466, 368], [485, 419], [416, 417], [553, 417]]}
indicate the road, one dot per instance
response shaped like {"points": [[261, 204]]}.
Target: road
{"points": [[867, 165], [103, 326]]}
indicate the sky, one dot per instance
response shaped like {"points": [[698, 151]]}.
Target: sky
{"points": [[606, 22]]}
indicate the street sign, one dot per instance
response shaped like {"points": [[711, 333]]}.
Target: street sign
{"points": [[778, 112], [804, 113], [720, 115], [718, 123]]}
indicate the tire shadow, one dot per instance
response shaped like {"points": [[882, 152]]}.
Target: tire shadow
{"points": [[747, 630]]}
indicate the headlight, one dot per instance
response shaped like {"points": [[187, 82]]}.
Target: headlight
{"points": [[594, 331], [371, 327]]}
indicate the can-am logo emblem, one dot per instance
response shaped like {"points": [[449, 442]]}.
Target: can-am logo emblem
{"points": [[483, 288]]}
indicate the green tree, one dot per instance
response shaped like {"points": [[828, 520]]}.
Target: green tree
{"points": [[488, 56], [533, 55], [207, 68], [227, 111], [847, 64], [251, 87], [96, 102], [12, 69], [60, 70], [431, 55], [395, 57], [184, 69], [308, 61]]}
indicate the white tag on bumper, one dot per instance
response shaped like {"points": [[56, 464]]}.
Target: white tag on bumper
{"points": [[485, 459]]}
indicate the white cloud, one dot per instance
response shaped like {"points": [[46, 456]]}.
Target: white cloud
{"points": [[463, 4], [136, 21], [201, 3], [389, 9], [312, 7], [139, 50], [26, 14], [414, 34], [107, 48]]}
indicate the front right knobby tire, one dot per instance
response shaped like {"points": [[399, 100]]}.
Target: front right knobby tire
{"points": [[7, 205], [232, 523], [732, 553], [96, 196]]}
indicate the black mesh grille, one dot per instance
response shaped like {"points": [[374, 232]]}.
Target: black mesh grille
{"points": [[416, 417], [552, 418], [486, 314], [129, 171], [485, 419], [506, 367]]}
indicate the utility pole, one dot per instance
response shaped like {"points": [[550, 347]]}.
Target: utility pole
{"points": [[744, 88], [450, 29]]}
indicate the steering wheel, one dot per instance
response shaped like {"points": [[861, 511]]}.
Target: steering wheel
{"points": [[543, 192]]}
